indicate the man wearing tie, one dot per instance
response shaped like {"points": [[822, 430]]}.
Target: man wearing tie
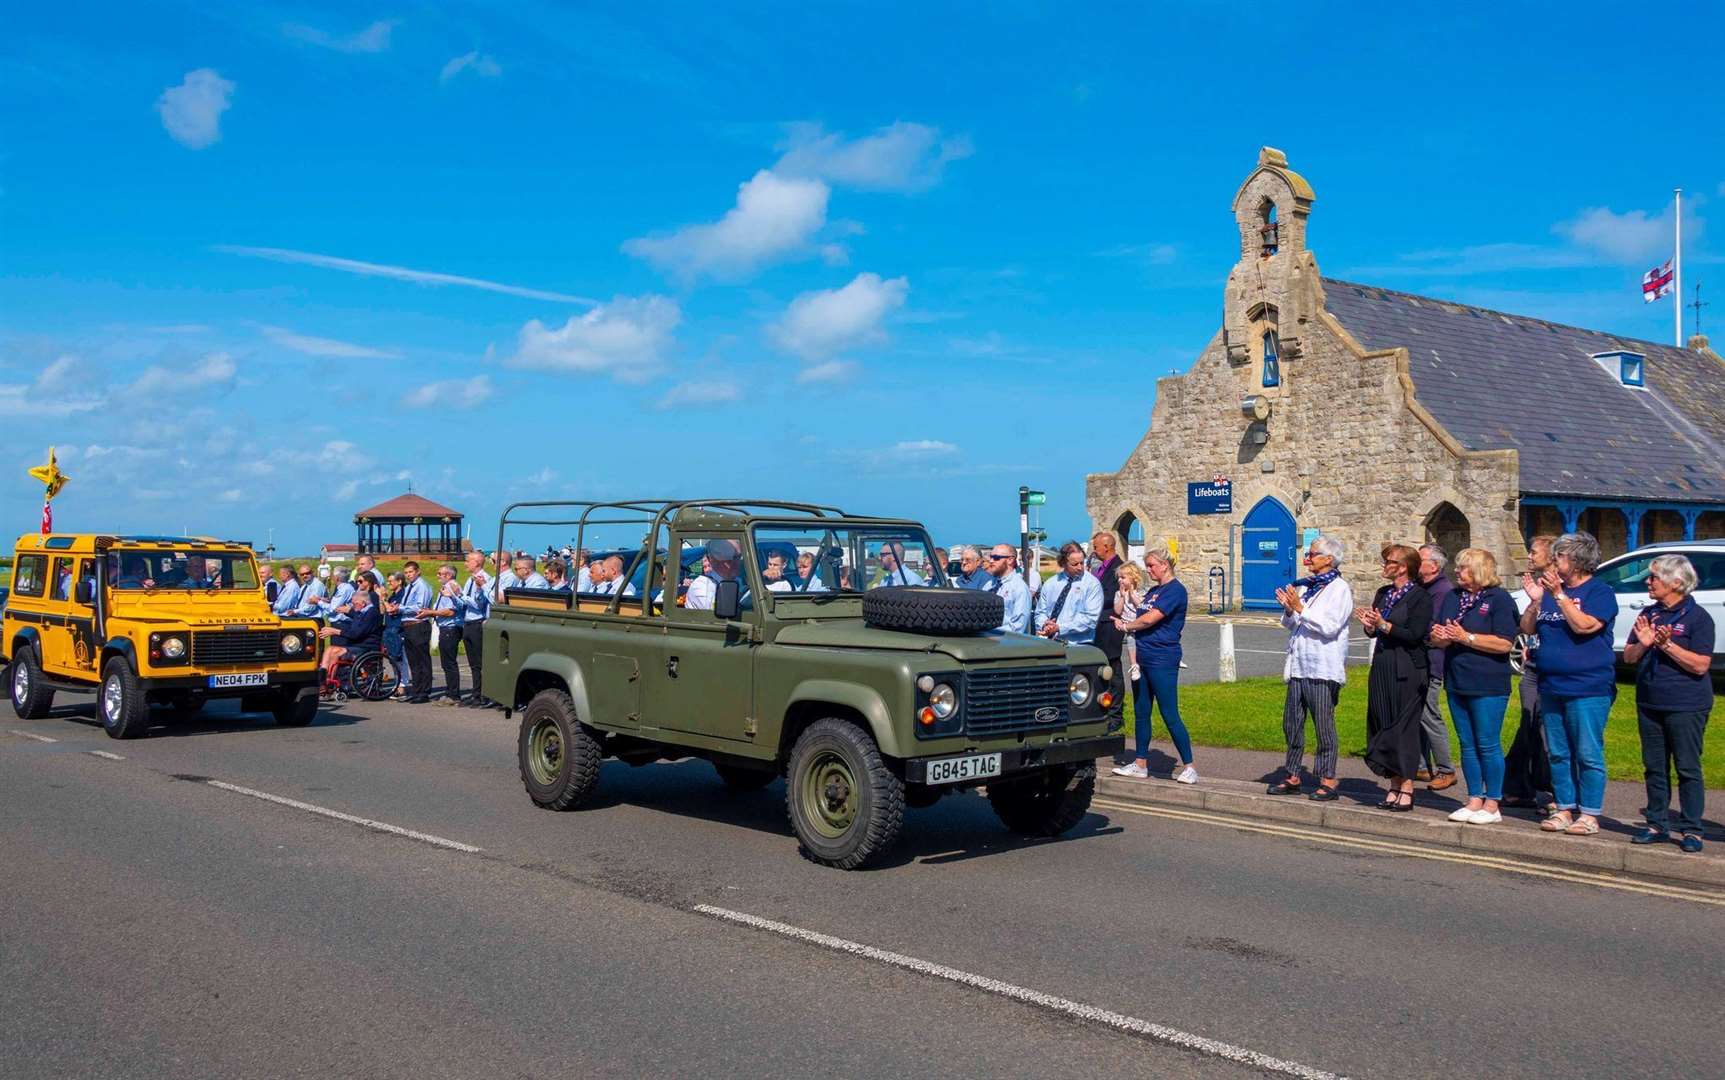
{"points": [[475, 607], [1005, 581], [892, 568], [311, 595], [521, 575], [415, 633], [1071, 601], [287, 592]]}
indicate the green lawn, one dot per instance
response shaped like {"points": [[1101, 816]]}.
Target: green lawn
{"points": [[1247, 715]]}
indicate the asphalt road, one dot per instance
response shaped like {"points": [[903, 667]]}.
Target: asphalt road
{"points": [[1259, 649], [153, 924]]}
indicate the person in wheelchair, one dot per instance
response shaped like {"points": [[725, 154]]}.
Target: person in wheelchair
{"points": [[362, 633]]}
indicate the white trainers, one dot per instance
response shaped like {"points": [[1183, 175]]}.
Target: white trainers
{"points": [[1464, 814], [1188, 775], [1134, 770], [1484, 817]]}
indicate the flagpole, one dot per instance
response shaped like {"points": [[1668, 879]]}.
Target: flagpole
{"points": [[1677, 277]]}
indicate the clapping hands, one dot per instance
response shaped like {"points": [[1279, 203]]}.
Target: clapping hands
{"points": [[1449, 631], [1289, 597]]}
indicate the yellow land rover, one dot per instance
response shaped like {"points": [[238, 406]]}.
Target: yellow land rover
{"points": [[150, 620]]}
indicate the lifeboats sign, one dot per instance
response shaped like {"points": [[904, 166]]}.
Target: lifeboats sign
{"points": [[1210, 497]]}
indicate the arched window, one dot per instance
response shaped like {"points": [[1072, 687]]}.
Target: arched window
{"points": [[1272, 361], [1268, 231]]}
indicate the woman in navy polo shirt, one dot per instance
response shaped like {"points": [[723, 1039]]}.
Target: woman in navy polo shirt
{"points": [[1158, 632], [1572, 613], [1673, 645], [1476, 627]]}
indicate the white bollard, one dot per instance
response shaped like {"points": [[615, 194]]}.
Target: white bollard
{"points": [[1228, 673]]}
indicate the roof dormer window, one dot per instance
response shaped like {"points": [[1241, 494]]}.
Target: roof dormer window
{"points": [[1628, 368]]}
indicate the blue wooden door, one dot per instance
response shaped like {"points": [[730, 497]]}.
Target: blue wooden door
{"points": [[1269, 551]]}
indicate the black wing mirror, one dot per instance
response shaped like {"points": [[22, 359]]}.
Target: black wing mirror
{"points": [[85, 592], [728, 599]]}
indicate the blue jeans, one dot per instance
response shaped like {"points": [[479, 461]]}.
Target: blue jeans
{"points": [[1478, 722], [1575, 737], [1163, 684]]}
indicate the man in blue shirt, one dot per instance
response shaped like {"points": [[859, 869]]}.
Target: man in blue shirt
{"points": [[521, 575], [287, 595], [971, 573], [892, 568], [416, 630], [446, 612], [475, 608], [311, 595], [1071, 601], [335, 609], [1004, 579]]}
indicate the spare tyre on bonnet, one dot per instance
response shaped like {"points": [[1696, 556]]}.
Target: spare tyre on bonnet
{"points": [[933, 611]]}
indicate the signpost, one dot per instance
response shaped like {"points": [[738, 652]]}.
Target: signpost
{"points": [[1027, 499], [1212, 497]]}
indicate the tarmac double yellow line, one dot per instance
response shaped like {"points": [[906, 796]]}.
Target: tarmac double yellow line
{"points": [[1420, 851]]}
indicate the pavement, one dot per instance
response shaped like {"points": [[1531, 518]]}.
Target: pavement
{"points": [[1233, 782], [375, 895]]}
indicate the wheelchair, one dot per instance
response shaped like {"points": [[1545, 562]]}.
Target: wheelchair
{"points": [[367, 676]]}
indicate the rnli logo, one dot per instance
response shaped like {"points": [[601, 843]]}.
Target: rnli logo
{"points": [[1047, 715]]}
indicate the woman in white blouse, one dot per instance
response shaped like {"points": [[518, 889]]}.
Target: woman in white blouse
{"points": [[1315, 611]]}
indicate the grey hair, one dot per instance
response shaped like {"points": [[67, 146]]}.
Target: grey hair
{"points": [[1329, 545], [1676, 571], [970, 549], [1435, 554], [1580, 548], [338, 574], [1158, 549]]}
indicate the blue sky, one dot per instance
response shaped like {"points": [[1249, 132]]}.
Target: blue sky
{"points": [[260, 264]]}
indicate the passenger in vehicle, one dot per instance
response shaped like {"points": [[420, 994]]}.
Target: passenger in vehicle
{"points": [[196, 575], [521, 575], [892, 568], [724, 562], [556, 577], [774, 572], [612, 579]]}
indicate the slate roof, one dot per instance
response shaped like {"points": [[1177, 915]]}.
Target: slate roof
{"points": [[408, 506], [1584, 433]]}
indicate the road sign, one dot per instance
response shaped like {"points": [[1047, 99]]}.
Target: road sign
{"points": [[1036, 498]]}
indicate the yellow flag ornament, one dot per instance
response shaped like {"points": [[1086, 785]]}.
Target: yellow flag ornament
{"points": [[52, 481]]}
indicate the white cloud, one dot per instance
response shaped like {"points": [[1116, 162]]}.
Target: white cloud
{"points": [[214, 374], [924, 448], [318, 346], [481, 64], [398, 273], [830, 371], [192, 111], [701, 393], [1153, 254], [452, 394], [901, 157], [775, 218], [627, 339], [823, 323], [67, 386], [1633, 236], [373, 39], [71, 385]]}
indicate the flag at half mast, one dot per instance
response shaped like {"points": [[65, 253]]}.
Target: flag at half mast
{"points": [[1656, 282]]}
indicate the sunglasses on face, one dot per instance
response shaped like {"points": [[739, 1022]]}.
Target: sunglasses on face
{"points": [[997, 558]]}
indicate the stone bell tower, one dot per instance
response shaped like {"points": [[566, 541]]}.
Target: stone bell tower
{"points": [[1273, 290]]}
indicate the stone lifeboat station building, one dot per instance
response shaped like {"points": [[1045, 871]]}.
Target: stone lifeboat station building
{"points": [[1369, 415]]}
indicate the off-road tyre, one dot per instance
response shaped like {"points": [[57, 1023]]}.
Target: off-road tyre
{"points": [[559, 758], [932, 611], [738, 778], [34, 698], [845, 805], [120, 701], [1047, 803], [297, 710]]}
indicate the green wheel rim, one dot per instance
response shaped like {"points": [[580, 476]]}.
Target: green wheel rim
{"points": [[829, 795], [545, 752]]}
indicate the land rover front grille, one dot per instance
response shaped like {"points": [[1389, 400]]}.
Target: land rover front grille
{"points": [[1007, 701], [235, 646]]}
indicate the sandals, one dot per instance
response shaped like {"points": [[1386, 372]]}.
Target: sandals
{"points": [[1558, 821], [1403, 807], [1585, 825]]}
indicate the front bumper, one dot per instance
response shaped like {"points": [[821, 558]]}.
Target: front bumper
{"points": [[278, 680], [1029, 758]]}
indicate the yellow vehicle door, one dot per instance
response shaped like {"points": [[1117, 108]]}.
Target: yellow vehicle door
{"points": [[56, 608], [81, 619]]}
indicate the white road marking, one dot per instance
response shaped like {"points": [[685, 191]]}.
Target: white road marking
{"points": [[1129, 1024], [33, 735], [352, 819], [104, 754]]}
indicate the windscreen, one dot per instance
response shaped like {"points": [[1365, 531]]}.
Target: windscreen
{"points": [[199, 570], [812, 560]]}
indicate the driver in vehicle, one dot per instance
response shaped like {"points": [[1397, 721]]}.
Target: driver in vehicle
{"points": [[197, 574], [134, 573], [724, 562]]}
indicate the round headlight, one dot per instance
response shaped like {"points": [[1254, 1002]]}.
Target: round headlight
{"points": [[173, 648], [292, 643], [1078, 688], [943, 699]]}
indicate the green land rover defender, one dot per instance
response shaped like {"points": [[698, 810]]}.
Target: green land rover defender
{"points": [[786, 639]]}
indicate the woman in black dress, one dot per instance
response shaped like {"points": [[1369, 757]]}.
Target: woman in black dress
{"points": [[1400, 618]]}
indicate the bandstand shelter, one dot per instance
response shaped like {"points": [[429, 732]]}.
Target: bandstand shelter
{"points": [[409, 524]]}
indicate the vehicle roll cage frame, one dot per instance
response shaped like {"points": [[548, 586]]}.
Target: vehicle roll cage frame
{"points": [[658, 514]]}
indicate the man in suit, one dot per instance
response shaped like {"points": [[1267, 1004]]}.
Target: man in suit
{"points": [[1109, 639]]}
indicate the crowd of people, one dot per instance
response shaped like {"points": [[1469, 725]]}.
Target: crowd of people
{"points": [[1434, 640]]}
